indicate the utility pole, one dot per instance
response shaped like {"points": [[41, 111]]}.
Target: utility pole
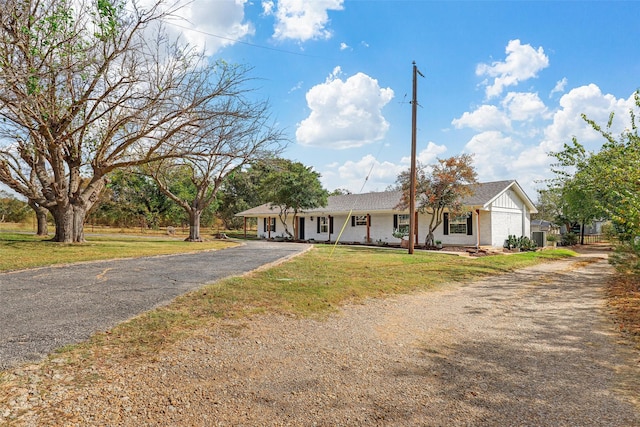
{"points": [[412, 178]]}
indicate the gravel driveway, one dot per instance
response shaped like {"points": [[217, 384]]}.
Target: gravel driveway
{"points": [[530, 348], [47, 308]]}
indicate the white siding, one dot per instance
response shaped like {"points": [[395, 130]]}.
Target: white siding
{"points": [[485, 229], [508, 200], [508, 217], [279, 227]]}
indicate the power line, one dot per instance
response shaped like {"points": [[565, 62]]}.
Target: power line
{"points": [[274, 49]]}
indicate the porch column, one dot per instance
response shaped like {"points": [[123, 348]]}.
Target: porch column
{"points": [[245, 226], [415, 232], [478, 228], [368, 228]]}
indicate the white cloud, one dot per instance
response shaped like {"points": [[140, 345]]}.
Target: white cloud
{"points": [[427, 156], [486, 117], [559, 87], [301, 20], [524, 106], [193, 22], [298, 86], [588, 100], [522, 63], [352, 175], [267, 7], [493, 152], [345, 114], [344, 46]]}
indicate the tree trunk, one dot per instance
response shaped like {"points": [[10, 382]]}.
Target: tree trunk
{"points": [[69, 221], [41, 216], [194, 226], [428, 242], [43, 226]]}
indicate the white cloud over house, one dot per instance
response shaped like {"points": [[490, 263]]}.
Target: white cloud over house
{"points": [[428, 156], [492, 152], [363, 175], [505, 154], [345, 113], [524, 106], [485, 117], [523, 62], [301, 20], [590, 101], [371, 174]]}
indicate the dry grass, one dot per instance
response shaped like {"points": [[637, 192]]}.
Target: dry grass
{"points": [[20, 251], [623, 292]]}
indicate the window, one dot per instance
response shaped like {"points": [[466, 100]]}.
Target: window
{"points": [[458, 224], [358, 220], [269, 225], [323, 224], [403, 223]]}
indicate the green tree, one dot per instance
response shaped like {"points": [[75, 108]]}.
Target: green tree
{"points": [[132, 199], [292, 187], [605, 183], [439, 188], [12, 209], [238, 192]]}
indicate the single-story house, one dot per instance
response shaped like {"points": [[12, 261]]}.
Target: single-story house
{"points": [[494, 211]]}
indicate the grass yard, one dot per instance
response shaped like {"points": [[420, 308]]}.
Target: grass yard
{"points": [[19, 251]]}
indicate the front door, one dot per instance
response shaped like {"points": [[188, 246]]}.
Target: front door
{"points": [[301, 228]]}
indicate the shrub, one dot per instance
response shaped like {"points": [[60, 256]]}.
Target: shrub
{"points": [[569, 239], [523, 243]]}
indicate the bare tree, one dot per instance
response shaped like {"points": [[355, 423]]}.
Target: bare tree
{"points": [[239, 134], [86, 88]]}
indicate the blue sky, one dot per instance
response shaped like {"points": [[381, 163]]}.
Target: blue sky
{"points": [[505, 81]]}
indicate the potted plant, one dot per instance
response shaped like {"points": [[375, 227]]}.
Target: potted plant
{"points": [[438, 244], [552, 239]]}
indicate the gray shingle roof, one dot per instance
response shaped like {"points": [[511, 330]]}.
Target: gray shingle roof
{"points": [[484, 193]]}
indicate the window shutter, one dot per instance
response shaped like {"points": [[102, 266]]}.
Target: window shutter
{"points": [[470, 224], [446, 223], [264, 227], [330, 225], [395, 222], [274, 224], [353, 220], [318, 225]]}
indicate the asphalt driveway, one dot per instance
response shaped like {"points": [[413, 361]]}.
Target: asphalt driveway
{"points": [[47, 308]]}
